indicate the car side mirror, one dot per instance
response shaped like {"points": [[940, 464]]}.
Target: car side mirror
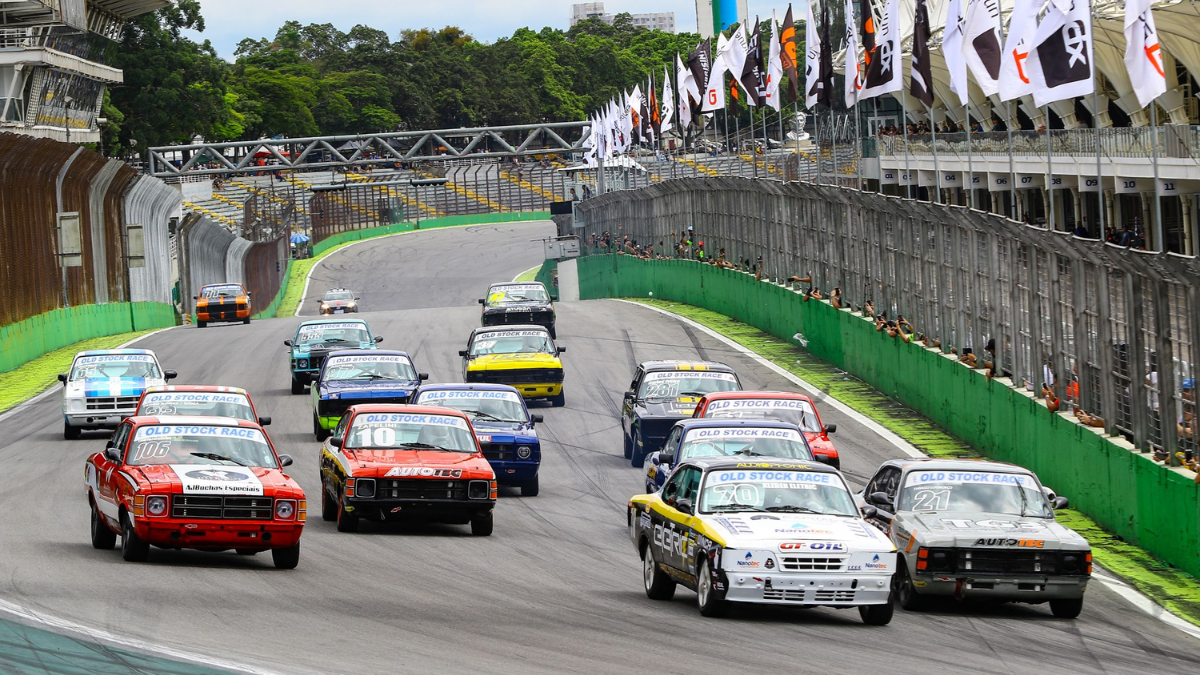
{"points": [[112, 454], [830, 428], [378, 339], [264, 420], [628, 395], [879, 499], [335, 442], [664, 458], [1060, 503], [287, 343], [422, 376], [285, 460], [481, 301], [195, 297], [358, 298], [562, 350], [170, 374], [535, 419], [869, 511], [462, 353], [62, 377], [684, 506]]}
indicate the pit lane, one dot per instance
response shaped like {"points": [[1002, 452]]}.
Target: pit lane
{"points": [[557, 588]]}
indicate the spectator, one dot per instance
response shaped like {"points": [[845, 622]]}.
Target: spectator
{"points": [[1186, 422], [1080, 230], [1126, 237], [835, 298]]}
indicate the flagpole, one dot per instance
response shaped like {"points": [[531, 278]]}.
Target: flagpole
{"points": [[904, 127], [1049, 171], [937, 172], [1099, 178], [970, 160], [1012, 169], [1158, 226], [833, 146], [858, 148], [796, 116]]}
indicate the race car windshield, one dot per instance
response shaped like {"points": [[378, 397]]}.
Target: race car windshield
{"points": [[513, 343], [777, 491], [530, 293], [333, 334], [786, 443], [115, 365], [792, 411], [197, 444], [366, 368], [1010, 494], [221, 292], [405, 431], [685, 383], [207, 404], [485, 406], [339, 295]]}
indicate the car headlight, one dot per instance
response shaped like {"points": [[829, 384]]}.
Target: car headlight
{"points": [[351, 304], [75, 405], [285, 509], [156, 506], [365, 488], [301, 363], [477, 489], [524, 451]]}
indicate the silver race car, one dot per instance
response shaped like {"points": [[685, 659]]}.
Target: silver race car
{"points": [[971, 529]]}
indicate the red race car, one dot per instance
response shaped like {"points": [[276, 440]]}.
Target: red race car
{"points": [[200, 399], [784, 406], [387, 462], [209, 483]]}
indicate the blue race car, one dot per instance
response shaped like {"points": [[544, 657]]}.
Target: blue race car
{"points": [[358, 376], [708, 437], [316, 338], [502, 424]]}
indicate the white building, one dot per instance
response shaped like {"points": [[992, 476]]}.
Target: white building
{"points": [[664, 21]]}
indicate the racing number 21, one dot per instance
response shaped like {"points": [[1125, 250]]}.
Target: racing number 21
{"points": [[931, 500]]}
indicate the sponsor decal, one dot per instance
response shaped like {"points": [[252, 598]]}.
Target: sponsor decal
{"points": [[875, 564], [518, 287], [484, 438], [858, 529], [764, 465], [168, 431], [192, 397], [964, 524], [644, 520], [689, 374], [800, 529], [342, 360], [1024, 543], [495, 334], [973, 477], [739, 433], [670, 540], [114, 386], [384, 419], [422, 472], [217, 480], [797, 477], [450, 395], [824, 546], [748, 561], [757, 404], [115, 358], [735, 525]]}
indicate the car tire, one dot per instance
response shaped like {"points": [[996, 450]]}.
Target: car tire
{"points": [[103, 538], [201, 324], [530, 488], [318, 431], [558, 401], [628, 445], [297, 387], [904, 592], [658, 585], [71, 433], [245, 551], [553, 333], [636, 457], [246, 321], [286, 558], [1066, 609], [836, 462], [133, 549], [481, 524], [877, 615], [329, 508], [707, 597], [346, 521]]}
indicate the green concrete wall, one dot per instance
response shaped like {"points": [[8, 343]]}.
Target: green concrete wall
{"points": [[1144, 503], [26, 340], [269, 311], [546, 276], [429, 224]]}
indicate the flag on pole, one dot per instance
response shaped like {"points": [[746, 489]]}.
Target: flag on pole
{"points": [[1022, 23], [1143, 56], [826, 95], [754, 79], [787, 53], [734, 55], [714, 88], [812, 57], [688, 92], [627, 126], [866, 18], [699, 63], [981, 43], [922, 76], [952, 49], [668, 102], [1061, 63], [885, 74], [774, 67], [853, 84], [634, 103], [655, 111], [645, 112]]}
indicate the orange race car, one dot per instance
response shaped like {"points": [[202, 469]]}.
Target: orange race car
{"points": [[222, 302]]}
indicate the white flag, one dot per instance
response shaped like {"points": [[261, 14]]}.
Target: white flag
{"points": [[774, 68], [1061, 63], [885, 73], [853, 84], [714, 89], [1143, 57], [952, 49], [734, 54], [668, 103], [687, 85], [626, 134], [1014, 78], [981, 43], [635, 114], [812, 57]]}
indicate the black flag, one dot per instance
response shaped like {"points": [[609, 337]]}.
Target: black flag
{"points": [[753, 78], [700, 63], [825, 74], [922, 77]]}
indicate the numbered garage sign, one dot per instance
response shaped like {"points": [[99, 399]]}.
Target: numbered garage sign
{"points": [[1128, 186]]}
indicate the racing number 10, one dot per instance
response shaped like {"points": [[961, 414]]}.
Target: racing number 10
{"points": [[379, 437]]}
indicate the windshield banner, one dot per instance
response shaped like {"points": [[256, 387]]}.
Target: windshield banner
{"points": [[972, 477], [199, 479], [766, 476], [758, 404], [690, 374], [388, 419], [492, 335], [192, 397], [346, 360], [741, 434], [468, 396], [115, 358], [193, 431]]}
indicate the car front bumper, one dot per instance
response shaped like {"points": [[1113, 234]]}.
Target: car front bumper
{"points": [[513, 472], [218, 534], [792, 588], [1019, 589], [433, 510], [96, 419]]}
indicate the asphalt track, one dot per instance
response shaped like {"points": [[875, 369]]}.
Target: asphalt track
{"points": [[557, 588]]}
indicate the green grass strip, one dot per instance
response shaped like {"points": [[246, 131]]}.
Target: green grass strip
{"points": [[294, 283], [1178, 591], [35, 376], [529, 275]]}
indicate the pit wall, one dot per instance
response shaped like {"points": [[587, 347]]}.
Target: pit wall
{"points": [[1144, 503], [428, 224]]}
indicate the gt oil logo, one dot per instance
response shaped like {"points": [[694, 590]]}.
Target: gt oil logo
{"points": [[812, 546]]}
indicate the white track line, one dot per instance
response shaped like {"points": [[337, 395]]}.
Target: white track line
{"points": [[1134, 596]]}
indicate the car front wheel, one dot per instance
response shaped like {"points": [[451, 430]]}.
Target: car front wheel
{"points": [[637, 452], [346, 521], [297, 386], [103, 537], [481, 524], [530, 488], [904, 591], [318, 431], [329, 508], [133, 549], [71, 433], [707, 595], [877, 615], [286, 558]]}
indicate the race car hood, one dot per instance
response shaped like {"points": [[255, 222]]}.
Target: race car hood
{"points": [[511, 361], [213, 479], [503, 432], [305, 350], [111, 386], [768, 530], [366, 389], [418, 464], [517, 307], [986, 529], [675, 408], [336, 303]]}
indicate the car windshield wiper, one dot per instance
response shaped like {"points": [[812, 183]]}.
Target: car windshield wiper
{"points": [[373, 376], [483, 415], [791, 509], [734, 507], [691, 393], [335, 340], [747, 452], [215, 456], [422, 446]]}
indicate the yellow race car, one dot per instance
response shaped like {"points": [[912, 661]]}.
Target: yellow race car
{"points": [[524, 357]]}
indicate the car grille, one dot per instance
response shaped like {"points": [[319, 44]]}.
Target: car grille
{"points": [[1004, 561], [113, 403], [420, 488], [224, 310], [802, 595], [497, 451], [209, 507], [522, 376], [811, 564]]}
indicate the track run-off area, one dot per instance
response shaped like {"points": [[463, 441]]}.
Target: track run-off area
{"points": [[556, 588]]}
